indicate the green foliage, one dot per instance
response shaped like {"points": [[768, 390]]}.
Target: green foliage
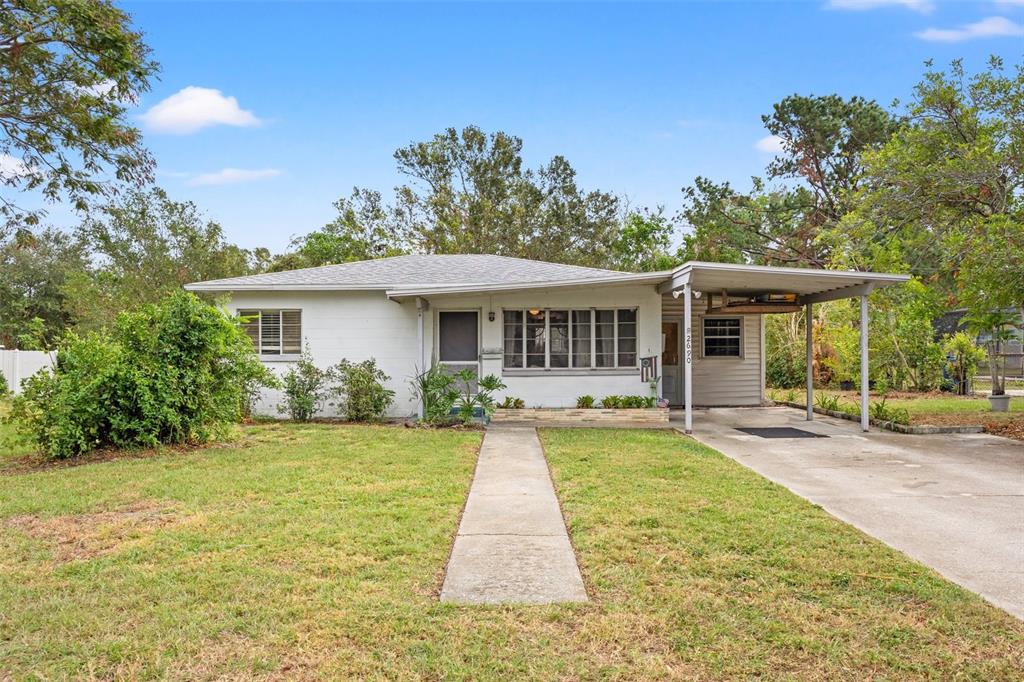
{"points": [[75, 68], [34, 268], [436, 392], [305, 387], [4, 388], [481, 398], [965, 358], [785, 363], [997, 328], [947, 187], [364, 228], [585, 402], [361, 391], [887, 413], [470, 193], [828, 401], [148, 245], [34, 335], [822, 140], [612, 402], [169, 373], [510, 403], [643, 243]]}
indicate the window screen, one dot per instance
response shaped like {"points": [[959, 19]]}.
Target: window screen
{"points": [[273, 332], [457, 335], [722, 337]]}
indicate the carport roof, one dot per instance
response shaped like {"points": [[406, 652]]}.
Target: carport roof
{"points": [[809, 284]]}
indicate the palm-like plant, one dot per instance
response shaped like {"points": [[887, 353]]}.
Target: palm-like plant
{"points": [[998, 328]]}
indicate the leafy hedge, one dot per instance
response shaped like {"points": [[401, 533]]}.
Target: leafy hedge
{"points": [[176, 372]]}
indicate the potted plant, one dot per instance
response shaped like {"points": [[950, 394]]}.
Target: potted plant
{"points": [[996, 328]]}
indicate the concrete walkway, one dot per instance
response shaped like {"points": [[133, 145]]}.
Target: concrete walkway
{"points": [[954, 502], [512, 546]]}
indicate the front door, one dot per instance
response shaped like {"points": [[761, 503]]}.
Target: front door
{"points": [[671, 367], [458, 339]]}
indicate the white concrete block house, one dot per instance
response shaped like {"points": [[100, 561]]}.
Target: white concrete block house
{"points": [[552, 332]]}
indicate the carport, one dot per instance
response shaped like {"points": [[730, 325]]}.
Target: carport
{"points": [[756, 289]]}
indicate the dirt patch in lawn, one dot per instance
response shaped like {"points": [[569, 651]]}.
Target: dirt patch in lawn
{"points": [[87, 536]]}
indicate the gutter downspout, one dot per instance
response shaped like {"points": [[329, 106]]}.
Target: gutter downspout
{"points": [[421, 305]]}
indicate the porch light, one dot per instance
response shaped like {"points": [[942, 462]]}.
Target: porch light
{"points": [[534, 311]]}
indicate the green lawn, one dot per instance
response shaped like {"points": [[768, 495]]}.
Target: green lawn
{"points": [[317, 551], [930, 408], [923, 404]]}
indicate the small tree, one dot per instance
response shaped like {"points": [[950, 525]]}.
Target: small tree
{"points": [[964, 360], [997, 327], [361, 392], [305, 388]]}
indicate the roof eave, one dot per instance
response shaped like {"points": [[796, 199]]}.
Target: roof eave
{"points": [[628, 278]]}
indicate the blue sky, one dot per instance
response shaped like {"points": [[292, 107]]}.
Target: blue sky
{"points": [[639, 98]]}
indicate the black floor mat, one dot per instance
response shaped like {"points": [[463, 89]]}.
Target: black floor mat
{"points": [[781, 432]]}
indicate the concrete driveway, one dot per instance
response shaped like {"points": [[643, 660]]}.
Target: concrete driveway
{"points": [[954, 502]]}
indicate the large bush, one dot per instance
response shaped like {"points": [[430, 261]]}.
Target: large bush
{"points": [[175, 372]]}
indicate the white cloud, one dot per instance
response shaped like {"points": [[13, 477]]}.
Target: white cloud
{"points": [[923, 6], [11, 167], [231, 176], [772, 144], [193, 108], [990, 27]]}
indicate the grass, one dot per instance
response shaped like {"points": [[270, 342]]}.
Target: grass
{"points": [[317, 551]]}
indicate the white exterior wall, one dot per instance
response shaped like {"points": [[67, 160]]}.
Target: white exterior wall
{"points": [[560, 387], [724, 381], [360, 325], [353, 325]]}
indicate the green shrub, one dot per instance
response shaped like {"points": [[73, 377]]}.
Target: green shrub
{"points": [[613, 402], [361, 394], [305, 388], [828, 402], [585, 402], [4, 388], [885, 413], [469, 400], [965, 357], [170, 373], [510, 403], [436, 392]]}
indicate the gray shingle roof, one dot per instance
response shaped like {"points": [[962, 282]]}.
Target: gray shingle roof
{"points": [[415, 270]]}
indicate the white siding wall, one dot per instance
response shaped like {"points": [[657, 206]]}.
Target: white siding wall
{"points": [[724, 381], [352, 325], [560, 388], [359, 325]]}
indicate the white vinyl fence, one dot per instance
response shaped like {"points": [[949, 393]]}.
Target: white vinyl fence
{"points": [[18, 365]]}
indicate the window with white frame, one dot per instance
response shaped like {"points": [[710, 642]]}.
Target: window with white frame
{"points": [[722, 337], [537, 338], [273, 332]]}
